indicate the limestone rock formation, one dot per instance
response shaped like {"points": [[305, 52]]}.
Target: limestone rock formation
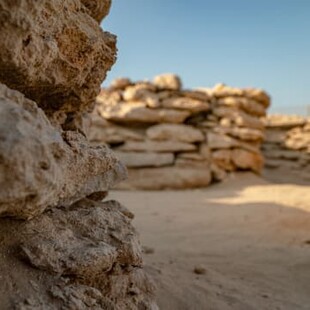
{"points": [[61, 246], [38, 161], [174, 138], [54, 52], [85, 256], [287, 148]]}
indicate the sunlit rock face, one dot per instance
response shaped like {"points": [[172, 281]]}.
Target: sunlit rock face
{"points": [[170, 137], [61, 246]]}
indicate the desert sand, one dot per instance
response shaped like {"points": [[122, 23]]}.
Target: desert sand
{"points": [[250, 237]]}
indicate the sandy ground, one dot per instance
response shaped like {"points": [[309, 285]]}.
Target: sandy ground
{"points": [[251, 236]]}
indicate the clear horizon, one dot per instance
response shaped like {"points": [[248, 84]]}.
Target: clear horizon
{"points": [[264, 44]]}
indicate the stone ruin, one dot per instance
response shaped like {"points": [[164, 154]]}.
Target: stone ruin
{"points": [[61, 246], [170, 137], [287, 148]]}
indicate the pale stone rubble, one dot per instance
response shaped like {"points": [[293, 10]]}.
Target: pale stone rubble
{"points": [[61, 246], [287, 146], [174, 138]]}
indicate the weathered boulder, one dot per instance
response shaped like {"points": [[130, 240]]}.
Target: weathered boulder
{"points": [[54, 52], [175, 132], [38, 162], [248, 105], [168, 81], [220, 141], [86, 256], [247, 160]]}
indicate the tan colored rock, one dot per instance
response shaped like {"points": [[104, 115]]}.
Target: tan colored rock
{"points": [[245, 120], [147, 159], [223, 159], [137, 112], [298, 140], [247, 160], [218, 174], [222, 90], [102, 131], [120, 83], [220, 141], [86, 256], [195, 94], [39, 164], [258, 95], [141, 92], [238, 117], [167, 177], [284, 121], [183, 103], [113, 134], [248, 105], [61, 55], [98, 9], [156, 146], [175, 132], [245, 134], [167, 81]]}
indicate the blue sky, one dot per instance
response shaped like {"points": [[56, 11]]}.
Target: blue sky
{"points": [[239, 42]]}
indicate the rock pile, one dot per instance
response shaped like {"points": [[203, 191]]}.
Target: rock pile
{"points": [[174, 138], [287, 147], [61, 246]]}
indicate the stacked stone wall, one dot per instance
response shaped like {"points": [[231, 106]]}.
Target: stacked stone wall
{"points": [[170, 137]]}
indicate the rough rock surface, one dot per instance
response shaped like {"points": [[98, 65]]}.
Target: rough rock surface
{"points": [[214, 131], [167, 177], [70, 250], [60, 54], [38, 161], [85, 256]]}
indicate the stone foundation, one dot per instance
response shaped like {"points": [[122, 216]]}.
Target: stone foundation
{"points": [[174, 138]]}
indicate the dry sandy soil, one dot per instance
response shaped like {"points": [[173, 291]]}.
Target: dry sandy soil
{"points": [[251, 236]]}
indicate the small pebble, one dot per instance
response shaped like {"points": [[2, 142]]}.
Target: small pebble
{"points": [[148, 250], [200, 270]]}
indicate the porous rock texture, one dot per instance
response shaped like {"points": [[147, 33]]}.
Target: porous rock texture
{"points": [[174, 138], [54, 52], [61, 247]]}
